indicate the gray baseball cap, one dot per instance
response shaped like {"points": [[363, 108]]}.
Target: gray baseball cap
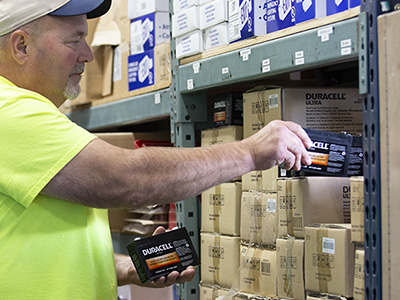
{"points": [[16, 13]]}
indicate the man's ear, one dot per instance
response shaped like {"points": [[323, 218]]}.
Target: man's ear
{"points": [[19, 40]]}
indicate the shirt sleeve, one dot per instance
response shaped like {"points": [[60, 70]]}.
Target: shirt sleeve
{"points": [[37, 141]]}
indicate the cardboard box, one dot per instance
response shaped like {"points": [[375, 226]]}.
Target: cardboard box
{"points": [[148, 31], [258, 271], [185, 21], [152, 67], [259, 220], [359, 275], [329, 259], [216, 36], [265, 181], [219, 259], [221, 135], [357, 209], [179, 5], [189, 44], [290, 261], [220, 209], [389, 90], [246, 18], [209, 292], [280, 15], [309, 200], [334, 109], [213, 13], [138, 8]]}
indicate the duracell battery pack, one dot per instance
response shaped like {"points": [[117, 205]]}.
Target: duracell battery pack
{"points": [[330, 153], [159, 255]]}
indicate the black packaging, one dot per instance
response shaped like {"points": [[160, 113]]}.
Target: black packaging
{"points": [[159, 255], [356, 157], [228, 109]]}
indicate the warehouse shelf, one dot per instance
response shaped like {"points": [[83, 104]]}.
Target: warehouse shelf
{"points": [[317, 47], [139, 109]]}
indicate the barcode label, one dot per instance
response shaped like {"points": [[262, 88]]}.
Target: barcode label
{"points": [[265, 267], [297, 222], [273, 101], [328, 245], [271, 205]]}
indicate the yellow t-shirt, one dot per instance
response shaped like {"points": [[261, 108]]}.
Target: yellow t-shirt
{"points": [[49, 248]]}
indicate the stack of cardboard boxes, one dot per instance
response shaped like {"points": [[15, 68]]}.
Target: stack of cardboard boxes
{"points": [[299, 237]]}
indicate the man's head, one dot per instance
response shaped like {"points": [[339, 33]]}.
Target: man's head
{"points": [[43, 47]]}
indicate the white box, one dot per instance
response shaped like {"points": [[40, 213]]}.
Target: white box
{"points": [[189, 44], [185, 21], [213, 13], [137, 8], [247, 18], [216, 36], [184, 4], [148, 31]]}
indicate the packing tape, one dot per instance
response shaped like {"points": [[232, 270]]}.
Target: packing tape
{"points": [[217, 208], [288, 284], [217, 260], [323, 261]]}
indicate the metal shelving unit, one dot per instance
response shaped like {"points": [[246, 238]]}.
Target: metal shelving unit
{"points": [[185, 104]]}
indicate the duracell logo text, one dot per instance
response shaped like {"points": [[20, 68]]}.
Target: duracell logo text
{"points": [[157, 249], [325, 96], [217, 199], [321, 145]]}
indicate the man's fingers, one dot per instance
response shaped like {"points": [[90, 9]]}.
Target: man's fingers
{"points": [[300, 132]]}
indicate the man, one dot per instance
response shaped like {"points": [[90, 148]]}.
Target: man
{"points": [[56, 178]]}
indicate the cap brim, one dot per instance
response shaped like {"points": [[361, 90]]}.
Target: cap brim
{"points": [[90, 8]]}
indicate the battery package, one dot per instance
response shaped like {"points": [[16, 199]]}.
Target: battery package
{"points": [[159, 255]]}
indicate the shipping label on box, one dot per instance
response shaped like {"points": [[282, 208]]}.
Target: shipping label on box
{"points": [[357, 209], [184, 4], [148, 31], [185, 21], [310, 200], [220, 209], [219, 259], [305, 10], [213, 13], [336, 6], [189, 44], [329, 259], [216, 36], [258, 271], [359, 275], [138, 8], [258, 219], [281, 14], [247, 18], [290, 262]]}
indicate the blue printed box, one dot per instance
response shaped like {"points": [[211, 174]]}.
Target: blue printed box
{"points": [[281, 14], [141, 70], [336, 6], [354, 3], [305, 10], [246, 18], [148, 31]]}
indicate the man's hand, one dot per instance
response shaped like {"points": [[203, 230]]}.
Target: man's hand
{"points": [[126, 271]]}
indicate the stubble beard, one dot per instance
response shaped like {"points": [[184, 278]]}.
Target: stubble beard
{"points": [[73, 89]]}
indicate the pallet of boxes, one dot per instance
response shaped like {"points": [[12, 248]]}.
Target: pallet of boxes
{"points": [[290, 235]]}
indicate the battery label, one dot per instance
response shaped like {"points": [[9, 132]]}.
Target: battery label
{"points": [[163, 260]]}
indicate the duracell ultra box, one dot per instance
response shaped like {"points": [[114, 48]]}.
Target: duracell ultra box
{"points": [[329, 259], [159, 255], [258, 218], [357, 209], [308, 200], [220, 209]]}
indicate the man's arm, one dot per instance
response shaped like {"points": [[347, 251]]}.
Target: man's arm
{"points": [[102, 175]]}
